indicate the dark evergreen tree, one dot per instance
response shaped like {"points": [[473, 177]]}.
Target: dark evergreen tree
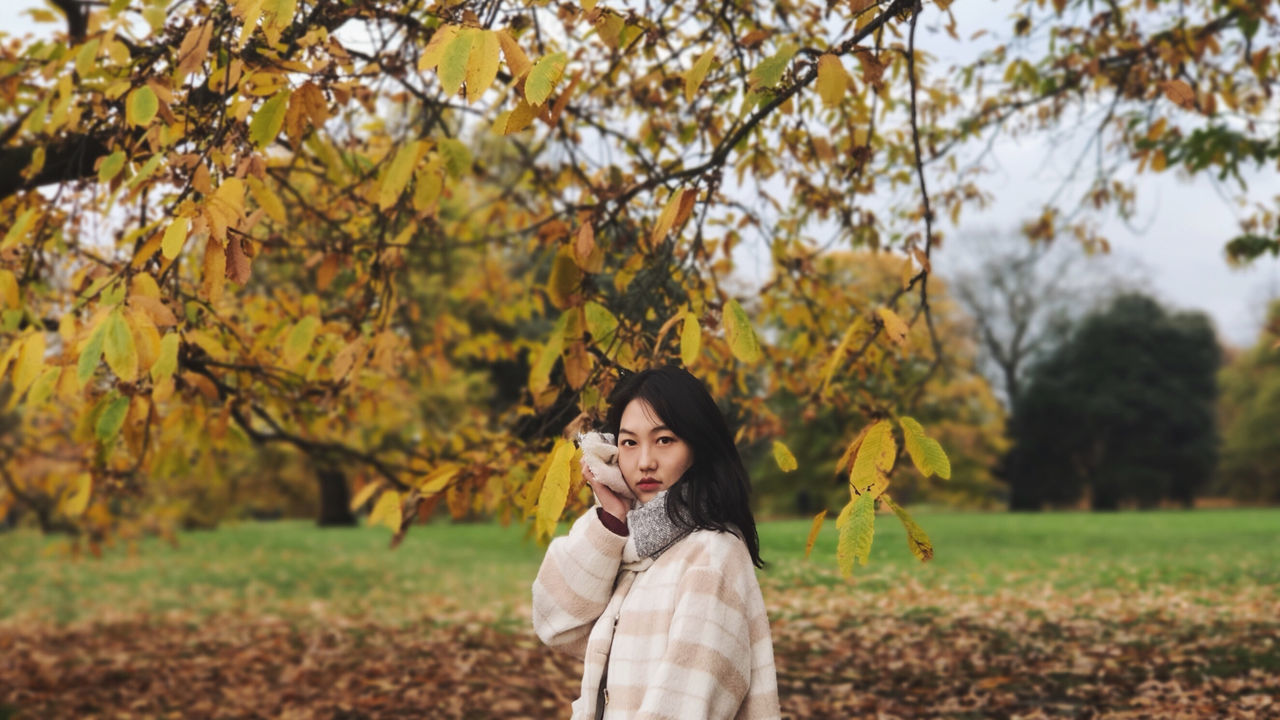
{"points": [[1123, 410]]}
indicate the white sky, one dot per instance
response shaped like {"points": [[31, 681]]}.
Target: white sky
{"points": [[1181, 226]]}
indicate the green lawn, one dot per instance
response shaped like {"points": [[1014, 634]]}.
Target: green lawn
{"points": [[443, 572]]}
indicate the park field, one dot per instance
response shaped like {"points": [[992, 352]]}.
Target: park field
{"points": [[1157, 614]]}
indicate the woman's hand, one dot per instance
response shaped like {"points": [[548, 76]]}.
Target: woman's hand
{"points": [[609, 500]]}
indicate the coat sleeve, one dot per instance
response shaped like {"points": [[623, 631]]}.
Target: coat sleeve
{"points": [[706, 671], [575, 582]]}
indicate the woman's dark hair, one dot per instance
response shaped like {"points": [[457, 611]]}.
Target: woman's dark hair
{"points": [[713, 492]]}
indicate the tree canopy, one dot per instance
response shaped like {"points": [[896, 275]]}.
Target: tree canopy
{"points": [[417, 241], [1122, 412]]}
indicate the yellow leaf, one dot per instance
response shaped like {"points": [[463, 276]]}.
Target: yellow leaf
{"points": [[690, 339], [813, 533], [837, 357], [213, 271], [540, 373], [166, 359], [927, 455], [564, 280], [740, 334], [438, 479], [695, 75], [364, 495], [917, 540], [434, 50], [875, 457], [833, 80], [894, 327], [78, 500], [9, 296], [482, 66], [782, 455], [175, 236], [543, 77], [666, 218], [517, 61], [453, 63], [387, 511], [856, 526], [398, 174], [30, 361], [267, 199], [118, 347], [555, 489], [851, 450]]}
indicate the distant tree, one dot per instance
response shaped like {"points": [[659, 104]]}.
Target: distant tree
{"points": [[1122, 411], [1249, 469], [1024, 298]]}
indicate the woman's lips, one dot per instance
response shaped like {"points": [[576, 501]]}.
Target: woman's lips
{"points": [[648, 484]]}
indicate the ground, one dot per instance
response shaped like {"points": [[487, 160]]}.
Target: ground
{"points": [[1129, 615]]}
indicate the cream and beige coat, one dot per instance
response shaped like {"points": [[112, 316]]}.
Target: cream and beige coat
{"points": [[689, 634]]}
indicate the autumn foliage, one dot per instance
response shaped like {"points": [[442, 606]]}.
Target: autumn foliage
{"points": [[417, 243]]}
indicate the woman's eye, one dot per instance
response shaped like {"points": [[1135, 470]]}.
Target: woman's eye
{"points": [[665, 440], [628, 443]]}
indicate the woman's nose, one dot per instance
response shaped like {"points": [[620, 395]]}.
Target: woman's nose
{"points": [[647, 460]]}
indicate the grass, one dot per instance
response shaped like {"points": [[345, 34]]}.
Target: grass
{"points": [[444, 571]]}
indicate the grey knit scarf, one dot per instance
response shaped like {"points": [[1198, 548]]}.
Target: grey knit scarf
{"points": [[652, 530]]}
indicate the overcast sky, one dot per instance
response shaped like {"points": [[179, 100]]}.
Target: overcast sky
{"points": [[1176, 238]]}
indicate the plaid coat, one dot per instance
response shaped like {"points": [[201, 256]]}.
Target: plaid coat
{"points": [[686, 635]]}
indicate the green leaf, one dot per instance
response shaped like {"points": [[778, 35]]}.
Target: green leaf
{"points": [[141, 107], [398, 174], [782, 455], [18, 231], [857, 528], [543, 77], [145, 171], [298, 344], [457, 158], [739, 333], [917, 539], [112, 417], [690, 339], [90, 355], [267, 122], [111, 166], [86, 59], [118, 348], [927, 455], [453, 63], [875, 457], [769, 72]]}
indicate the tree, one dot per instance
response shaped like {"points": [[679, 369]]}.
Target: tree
{"points": [[955, 400], [1123, 412], [245, 217], [1249, 466], [1024, 298]]}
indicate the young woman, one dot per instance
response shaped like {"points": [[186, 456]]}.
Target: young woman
{"points": [[659, 596]]}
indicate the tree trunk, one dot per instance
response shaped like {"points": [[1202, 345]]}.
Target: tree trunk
{"points": [[335, 499]]}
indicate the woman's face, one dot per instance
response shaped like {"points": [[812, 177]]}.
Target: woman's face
{"points": [[652, 457]]}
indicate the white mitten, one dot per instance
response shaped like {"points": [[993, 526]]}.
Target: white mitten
{"points": [[600, 455]]}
